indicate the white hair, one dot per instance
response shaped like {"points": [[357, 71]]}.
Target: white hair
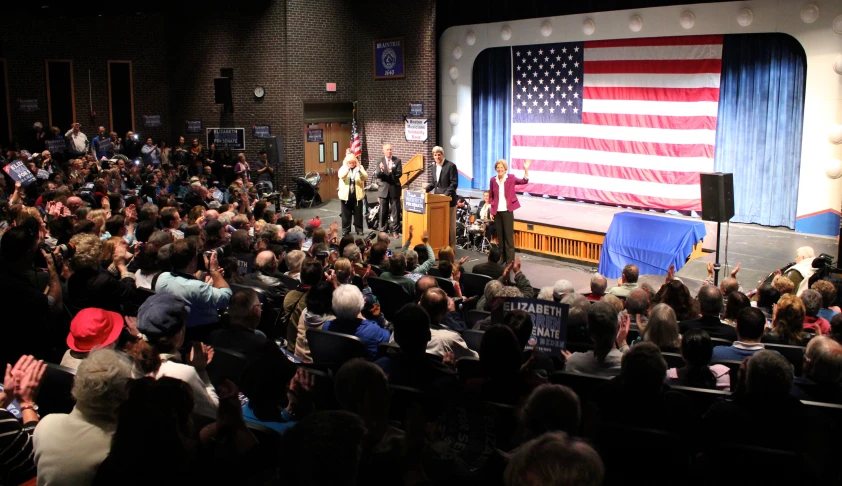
{"points": [[294, 260], [100, 384], [805, 252], [351, 252], [546, 293], [37, 125], [562, 287], [438, 149], [347, 302]]}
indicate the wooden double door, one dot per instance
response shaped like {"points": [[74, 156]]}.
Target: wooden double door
{"points": [[324, 150]]}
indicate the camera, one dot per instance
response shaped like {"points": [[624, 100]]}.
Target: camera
{"points": [[220, 253], [66, 250], [371, 236]]}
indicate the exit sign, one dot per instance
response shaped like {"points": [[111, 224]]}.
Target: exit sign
{"points": [[330, 86]]}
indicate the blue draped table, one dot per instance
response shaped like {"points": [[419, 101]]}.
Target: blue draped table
{"points": [[653, 243]]}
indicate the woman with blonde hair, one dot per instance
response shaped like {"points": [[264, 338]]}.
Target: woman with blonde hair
{"points": [[106, 256], [352, 179], [788, 322], [98, 216], [662, 329], [503, 201]]}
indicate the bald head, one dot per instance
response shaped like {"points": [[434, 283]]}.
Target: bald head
{"points": [[211, 215], [823, 360], [434, 301], [266, 262], [729, 285], [74, 203], [423, 284]]}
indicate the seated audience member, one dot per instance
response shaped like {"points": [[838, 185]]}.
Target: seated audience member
{"points": [[637, 305], [627, 281], [337, 435], [492, 266], [296, 300], [710, 305], [767, 297], [640, 391], [836, 328], [347, 303], [242, 335], [577, 319], [501, 358], [397, 273], [562, 288], [676, 295], [273, 387], [801, 272], [264, 278], [162, 320], [412, 366], [546, 293], [502, 293], [598, 286], [18, 464], [821, 380], [377, 256], [91, 329], [490, 291], [788, 325], [421, 258], [295, 259], [812, 301], [828, 293], [204, 299], [750, 326], [696, 349], [605, 333], [70, 447], [783, 285], [550, 408], [556, 459], [520, 322], [146, 260], [662, 329], [734, 303], [90, 287], [314, 316], [442, 340], [155, 416], [614, 301], [768, 383]]}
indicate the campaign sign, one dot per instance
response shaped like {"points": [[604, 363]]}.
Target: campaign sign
{"points": [[388, 58], [55, 145], [231, 138], [413, 201], [194, 126], [152, 121], [105, 145], [27, 104], [315, 135], [415, 129], [416, 109], [20, 173], [261, 131], [549, 322]]}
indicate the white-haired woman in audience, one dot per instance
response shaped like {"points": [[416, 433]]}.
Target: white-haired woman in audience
{"points": [[348, 304], [70, 447]]}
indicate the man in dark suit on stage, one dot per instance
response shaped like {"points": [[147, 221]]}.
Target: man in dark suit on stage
{"points": [[388, 172], [445, 182]]}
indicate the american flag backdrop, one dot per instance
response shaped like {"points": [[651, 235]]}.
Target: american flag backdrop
{"points": [[624, 122]]}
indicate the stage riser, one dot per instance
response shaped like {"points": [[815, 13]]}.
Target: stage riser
{"points": [[558, 242]]}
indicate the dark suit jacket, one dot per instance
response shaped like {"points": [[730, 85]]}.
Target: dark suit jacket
{"points": [[390, 184], [712, 325], [448, 180], [493, 270]]}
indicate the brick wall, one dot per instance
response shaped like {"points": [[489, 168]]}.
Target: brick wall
{"points": [[90, 43], [291, 48]]}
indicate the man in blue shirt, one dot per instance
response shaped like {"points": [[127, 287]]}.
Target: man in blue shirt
{"points": [[101, 145], [750, 326]]}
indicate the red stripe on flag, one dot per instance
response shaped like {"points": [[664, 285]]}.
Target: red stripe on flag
{"points": [[651, 121], [611, 171], [676, 66], [690, 40], [612, 197], [621, 146], [651, 94]]}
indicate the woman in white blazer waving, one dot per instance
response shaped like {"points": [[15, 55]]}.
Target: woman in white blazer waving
{"points": [[352, 178]]}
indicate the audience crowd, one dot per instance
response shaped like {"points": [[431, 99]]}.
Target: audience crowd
{"points": [[170, 321]]}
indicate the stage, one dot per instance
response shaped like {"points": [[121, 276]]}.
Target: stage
{"points": [[760, 249]]}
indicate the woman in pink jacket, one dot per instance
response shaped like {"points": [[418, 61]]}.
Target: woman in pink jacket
{"points": [[503, 201]]}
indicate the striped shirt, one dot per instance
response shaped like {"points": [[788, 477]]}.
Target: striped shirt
{"points": [[17, 458]]}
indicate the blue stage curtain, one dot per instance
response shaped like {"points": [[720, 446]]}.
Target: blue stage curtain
{"points": [[758, 133], [491, 96]]}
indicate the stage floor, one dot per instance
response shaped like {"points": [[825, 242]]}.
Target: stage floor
{"points": [[760, 249]]}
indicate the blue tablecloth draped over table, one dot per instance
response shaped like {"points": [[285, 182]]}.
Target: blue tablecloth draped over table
{"points": [[653, 243]]}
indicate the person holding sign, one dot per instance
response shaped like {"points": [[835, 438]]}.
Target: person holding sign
{"points": [[352, 179], [503, 201]]}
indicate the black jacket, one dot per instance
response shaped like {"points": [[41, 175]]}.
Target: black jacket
{"points": [[390, 183], [448, 181], [714, 327], [493, 270]]}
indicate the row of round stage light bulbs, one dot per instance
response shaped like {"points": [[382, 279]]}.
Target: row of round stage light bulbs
{"points": [[687, 19]]}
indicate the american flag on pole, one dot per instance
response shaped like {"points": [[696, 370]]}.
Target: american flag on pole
{"points": [[627, 122], [356, 142]]}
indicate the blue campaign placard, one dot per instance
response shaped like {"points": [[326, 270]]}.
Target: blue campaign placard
{"points": [[416, 109], [389, 58], [194, 126], [20, 173], [261, 131], [549, 322], [413, 201], [316, 135]]}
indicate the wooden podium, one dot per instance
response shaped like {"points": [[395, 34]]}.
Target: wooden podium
{"points": [[435, 220]]}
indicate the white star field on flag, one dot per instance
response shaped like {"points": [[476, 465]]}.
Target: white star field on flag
{"points": [[543, 70]]}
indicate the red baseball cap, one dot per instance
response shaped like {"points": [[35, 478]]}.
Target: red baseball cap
{"points": [[94, 328]]}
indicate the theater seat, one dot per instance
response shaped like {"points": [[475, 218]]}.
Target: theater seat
{"points": [[333, 349], [627, 452], [793, 354], [390, 295], [55, 395], [475, 316], [473, 338]]}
